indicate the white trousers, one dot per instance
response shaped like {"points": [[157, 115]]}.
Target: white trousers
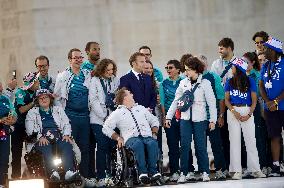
{"points": [[248, 128]]}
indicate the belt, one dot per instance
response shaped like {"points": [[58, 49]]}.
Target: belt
{"points": [[240, 105]]}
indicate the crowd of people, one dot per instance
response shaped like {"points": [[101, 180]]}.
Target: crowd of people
{"points": [[238, 104]]}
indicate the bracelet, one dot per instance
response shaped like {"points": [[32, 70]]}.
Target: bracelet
{"points": [[221, 115], [249, 115], [275, 101], [232, 110]]}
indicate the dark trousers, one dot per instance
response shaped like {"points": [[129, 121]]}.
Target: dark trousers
{"points": [[173, 139], [104, 147], [92, 157], [81, 133], [225, 141], [66, 151], [17, 140], [217, 148], [4, 160]]}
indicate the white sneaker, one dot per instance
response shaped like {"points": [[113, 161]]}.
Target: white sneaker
{"points": [[237, 176], [264, 170], [174, 177], [101, 183], [92, 182], [219, 175], [190, 176], [70, 174], [144, 179], [55, 176], [258, 174], [181, 179], [109, 181], [205, 177]]}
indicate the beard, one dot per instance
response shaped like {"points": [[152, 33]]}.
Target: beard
{"points": [[95, 57]]}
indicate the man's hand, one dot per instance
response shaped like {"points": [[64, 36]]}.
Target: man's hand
{"points": [[67, 139], [120, 142], [43, 141], [271, 106], [167, 123]]}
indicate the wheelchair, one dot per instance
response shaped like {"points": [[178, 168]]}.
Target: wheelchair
{"points": [[124, 170], [36, 169]]}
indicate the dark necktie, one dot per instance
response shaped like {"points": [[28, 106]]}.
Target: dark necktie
{"points": [[141, 81]]}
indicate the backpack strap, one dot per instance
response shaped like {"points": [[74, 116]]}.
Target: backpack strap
{"points": [[227, 68]]}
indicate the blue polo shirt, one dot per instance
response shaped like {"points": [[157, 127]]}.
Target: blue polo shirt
{"points": [[273, 83], [88, 65], [77, 103], [167, 91], [238, 97]]}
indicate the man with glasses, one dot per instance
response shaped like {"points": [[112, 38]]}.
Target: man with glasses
{"points": [[45, 80], [71, 91], [148, 54], [259, 39]]}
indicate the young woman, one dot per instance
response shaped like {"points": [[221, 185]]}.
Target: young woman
{"points": [[167, 94], [52, 127], [194, 120], [104, 84], [7, 119], [240, 98]]}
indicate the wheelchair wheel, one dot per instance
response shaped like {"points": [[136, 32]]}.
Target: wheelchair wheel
{"points": [[118, 166], [78, 184]]}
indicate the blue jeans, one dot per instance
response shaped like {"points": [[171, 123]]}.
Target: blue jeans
{"points": [[173, 139], [104, 147], [198, 129], [138, 145], [4, 160], [217, 148], [67, 157], [81, 132]]}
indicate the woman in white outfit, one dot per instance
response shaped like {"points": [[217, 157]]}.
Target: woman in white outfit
{"points": [[240, 98], [104, 84]]}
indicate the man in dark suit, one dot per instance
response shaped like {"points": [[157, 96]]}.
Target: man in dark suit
{"points": [[139, 84]]}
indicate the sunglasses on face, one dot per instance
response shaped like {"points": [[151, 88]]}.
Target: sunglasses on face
{"points": [[169, 68]]}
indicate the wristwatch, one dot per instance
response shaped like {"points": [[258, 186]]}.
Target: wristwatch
{"points": [[221, 115]]}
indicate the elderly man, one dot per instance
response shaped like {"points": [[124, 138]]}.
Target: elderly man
{"points": [[138, 129]]}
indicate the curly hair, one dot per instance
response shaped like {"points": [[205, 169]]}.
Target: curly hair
{"points": [[183, 58], [102, 67], [195, 64], [261, 34], [119, 96]]}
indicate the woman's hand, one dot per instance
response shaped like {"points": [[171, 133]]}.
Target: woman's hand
{"points": [[67, 139], [237, 115], [220, 121], [211, 126], [43, 141], [120, 142], [244, 118]]}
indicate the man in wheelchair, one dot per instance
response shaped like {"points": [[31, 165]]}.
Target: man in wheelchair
{"points": [[138, 129], [53, 130]]}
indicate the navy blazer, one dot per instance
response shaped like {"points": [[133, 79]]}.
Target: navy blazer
{"points": [[146, 96]]}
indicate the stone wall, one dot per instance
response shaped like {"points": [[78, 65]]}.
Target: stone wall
{"points": [[29, 28]]}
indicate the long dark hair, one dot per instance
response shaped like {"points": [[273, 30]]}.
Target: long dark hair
{"points": [[252, 56], [240, 81]]}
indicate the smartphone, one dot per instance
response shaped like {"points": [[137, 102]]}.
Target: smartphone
{"points": [[14, 74]]}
